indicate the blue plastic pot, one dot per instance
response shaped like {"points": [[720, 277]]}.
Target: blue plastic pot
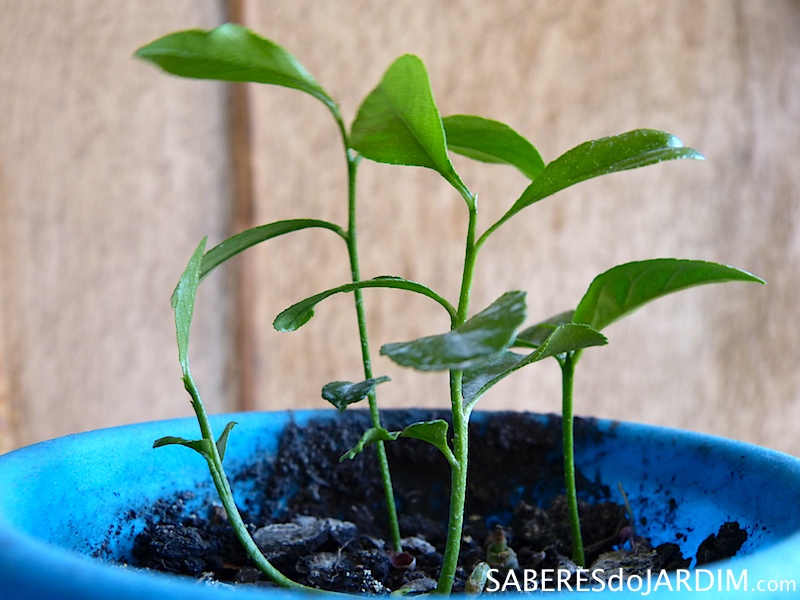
{"points": [[65, 505]]}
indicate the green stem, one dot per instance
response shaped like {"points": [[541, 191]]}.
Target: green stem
{"points": [[458, 486], [485, 235], [470, 260], [355, 272], [461, 414], [567, 427], [226, 496]]}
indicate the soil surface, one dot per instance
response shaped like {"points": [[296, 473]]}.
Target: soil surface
{"points": [[322, 523]]}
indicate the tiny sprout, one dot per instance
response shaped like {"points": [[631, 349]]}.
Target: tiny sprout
{"points": [[399, 123], [498, 553], [476, 582]]}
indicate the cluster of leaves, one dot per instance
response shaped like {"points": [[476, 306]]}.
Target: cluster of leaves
{"points": [[399, 123]]}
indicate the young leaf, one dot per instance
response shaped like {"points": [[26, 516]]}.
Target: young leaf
{"points": [[488, 333], [199, 446], [566, 337], [476, 381], [622, 152], [343, 393], [250, 237], [183, 299], [222, 441], [231, 53], [371, 436], [624, 288], [398, 123], [492, 142], [432, 432], [535, 335], [301, 313]]}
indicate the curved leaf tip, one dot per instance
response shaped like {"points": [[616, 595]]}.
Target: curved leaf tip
{"points": [[231, 52], [344, 393], [398, 123], [625, 288], [492, 142]]}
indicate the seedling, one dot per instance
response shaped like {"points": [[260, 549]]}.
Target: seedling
{"points": [[399, 123]]}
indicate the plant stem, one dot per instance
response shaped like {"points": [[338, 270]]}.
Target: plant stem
{"points": [[372, 398], [222, 485], [458, 486], [461, 414], [567, 427], [470, 259]]}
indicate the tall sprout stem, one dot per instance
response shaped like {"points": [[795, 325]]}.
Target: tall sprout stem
{"points": [[567, 427], [458, 487], [355, 272], [461, 414]]}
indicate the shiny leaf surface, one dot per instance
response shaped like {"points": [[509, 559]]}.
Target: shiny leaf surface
{"points": [[300, 313], [250, 237], [344, 393], [231, 53], [603, 156], [492, 142], [488, 333], [624, 288], [398, 122]]}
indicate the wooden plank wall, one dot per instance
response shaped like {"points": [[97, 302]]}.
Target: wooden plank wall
{"points": [[110, 173]]}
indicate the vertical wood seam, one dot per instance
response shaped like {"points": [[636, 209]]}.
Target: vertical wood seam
{"points": [[240, 132], [7, 437]]}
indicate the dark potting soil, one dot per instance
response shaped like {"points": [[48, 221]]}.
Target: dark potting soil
{"points": [[322, 523]]}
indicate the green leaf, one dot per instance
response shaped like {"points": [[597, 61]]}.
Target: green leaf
{"points": [[183, 299], [231, 53], [488, 333], [566, 337], [534, 336], [476, 381], [624, 288], [300, 313], [492, 142], [398, 123], [622, 152], [432, 432], [222, 441], [371, 436], [199, 446], [343, 393], [244, 240], [202, 446]]}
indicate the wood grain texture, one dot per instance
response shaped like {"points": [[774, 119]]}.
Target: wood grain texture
{"points": [[110, 173], [241, 139], [722, 75], [6, 428]]}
